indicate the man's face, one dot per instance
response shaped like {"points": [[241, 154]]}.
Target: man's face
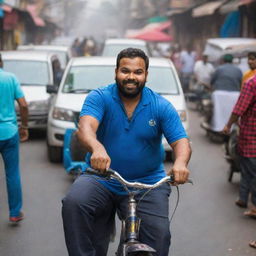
{"points": [[252, 62], [131, 76]]}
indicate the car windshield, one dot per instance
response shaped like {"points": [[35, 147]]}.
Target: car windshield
{"points": [[82, 79], [114, 49], [28, 72]]}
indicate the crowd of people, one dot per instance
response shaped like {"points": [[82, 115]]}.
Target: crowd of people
{"points": [[84, 47], [233, 96]]}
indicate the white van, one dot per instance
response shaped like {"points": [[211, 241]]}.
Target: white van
{"points": [[87, 73]]}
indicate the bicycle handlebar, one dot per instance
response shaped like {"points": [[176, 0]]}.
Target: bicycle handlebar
{"points": [[113, 174]]}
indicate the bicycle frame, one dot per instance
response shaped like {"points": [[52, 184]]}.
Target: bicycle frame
{"points": [[129, 244]]}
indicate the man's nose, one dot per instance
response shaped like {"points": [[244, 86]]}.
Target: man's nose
{"points": [[131, 75]]}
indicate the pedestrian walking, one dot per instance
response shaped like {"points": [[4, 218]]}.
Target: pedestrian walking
{"points": [[188, 59], [245, 112], [226, 83], [10, 136], [203, 71], [124, 117]]}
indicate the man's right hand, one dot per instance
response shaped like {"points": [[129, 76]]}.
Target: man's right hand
{"points": [[100, 160], [23, 132], [226, 130]]}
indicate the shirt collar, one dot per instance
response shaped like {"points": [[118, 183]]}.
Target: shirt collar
{"points": [[144, 97]]}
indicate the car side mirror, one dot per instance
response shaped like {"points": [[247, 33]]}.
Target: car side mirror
{"points": [[50, 88]]}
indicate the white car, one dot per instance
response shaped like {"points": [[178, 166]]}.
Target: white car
{"points": [[34, 71], [215, 47], [63, 52], [87, 73], [113, 46]]}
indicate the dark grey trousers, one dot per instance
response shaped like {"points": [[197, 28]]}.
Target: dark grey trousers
{"points": [[248, 179], [88, 214]]}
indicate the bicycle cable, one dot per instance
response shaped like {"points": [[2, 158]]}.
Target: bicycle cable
{"points": [[177, 202]]}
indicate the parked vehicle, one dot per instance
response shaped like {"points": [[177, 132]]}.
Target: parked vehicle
{"points": [[215, 47], [35, 71], [113, 46], [63, 52], [87, 73]]}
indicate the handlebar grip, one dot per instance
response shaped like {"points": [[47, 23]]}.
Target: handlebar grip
{"points": [[90, 170]]}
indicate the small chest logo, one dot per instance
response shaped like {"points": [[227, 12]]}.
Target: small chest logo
{"points": [[152, 122]]}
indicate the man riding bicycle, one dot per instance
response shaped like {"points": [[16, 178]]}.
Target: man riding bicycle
{"points": [[121, 125]]}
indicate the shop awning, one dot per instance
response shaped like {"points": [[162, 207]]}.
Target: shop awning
{"points": [[243, 2], [32, 10], [6, 8], [206, 9], [231, 6], [153, 36]]}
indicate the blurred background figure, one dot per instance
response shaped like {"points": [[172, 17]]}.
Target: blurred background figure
{"points": [[176, 58], [75, 48], [188, 59], [226, 82], [203, 71], [252, 71], [57, 72]]}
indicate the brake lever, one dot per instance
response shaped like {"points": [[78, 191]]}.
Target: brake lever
{"points": [[172, 182]]}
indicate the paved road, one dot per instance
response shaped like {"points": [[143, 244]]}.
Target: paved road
{"points": [[207, 223]]}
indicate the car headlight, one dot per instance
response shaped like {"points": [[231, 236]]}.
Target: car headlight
{"points": [[63, 114], [40, 105], [183, 115]]}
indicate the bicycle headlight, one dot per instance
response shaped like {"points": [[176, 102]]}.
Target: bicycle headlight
{"points": [[63, 114]]}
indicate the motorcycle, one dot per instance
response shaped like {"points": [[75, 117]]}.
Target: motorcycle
{"points": [[231, 154]]}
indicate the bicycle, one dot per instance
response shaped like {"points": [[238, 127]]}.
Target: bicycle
{"points": [[129, 244]]}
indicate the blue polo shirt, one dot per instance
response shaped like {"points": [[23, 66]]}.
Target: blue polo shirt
{"points": [[134, 145], [10, 90]]}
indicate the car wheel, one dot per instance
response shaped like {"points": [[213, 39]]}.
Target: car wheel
{"points": [[54, 154]]}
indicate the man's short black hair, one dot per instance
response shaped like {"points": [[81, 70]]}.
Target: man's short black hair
{"points": [[132, 53], [251, 54]]}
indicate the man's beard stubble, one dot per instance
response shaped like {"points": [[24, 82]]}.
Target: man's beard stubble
{"points": [[127, 94]]}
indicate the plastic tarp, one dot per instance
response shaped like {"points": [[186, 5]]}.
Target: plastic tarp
{"points": [[206, 9], [32, 10], [231, 26], [153, 32]]}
